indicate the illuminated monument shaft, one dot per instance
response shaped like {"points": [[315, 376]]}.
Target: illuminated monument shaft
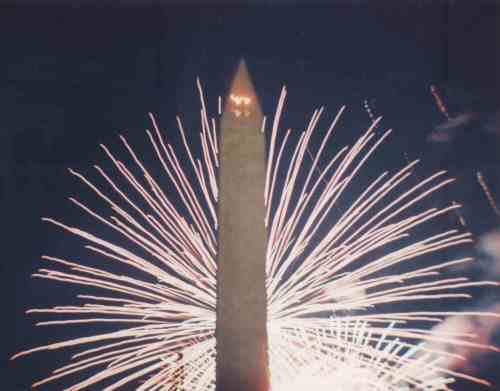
{"points": [[241, 297]]}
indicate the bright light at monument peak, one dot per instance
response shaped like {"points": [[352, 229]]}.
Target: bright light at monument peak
{"points": [[241, 105], [242, 101]]}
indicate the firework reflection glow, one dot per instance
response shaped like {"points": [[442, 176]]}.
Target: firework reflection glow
{"points": [[162, 304]]}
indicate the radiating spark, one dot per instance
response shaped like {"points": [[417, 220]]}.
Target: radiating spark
{"points": [[368, 108], [487, 193], [162, 302], [448, 130], [460, 217], [440, 102]]}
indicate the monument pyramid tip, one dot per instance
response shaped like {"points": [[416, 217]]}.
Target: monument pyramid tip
{"points": [[242, 100]]}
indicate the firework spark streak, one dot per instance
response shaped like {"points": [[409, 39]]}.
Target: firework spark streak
{"points": [[165, 320], [164, 308], [487, 193]]}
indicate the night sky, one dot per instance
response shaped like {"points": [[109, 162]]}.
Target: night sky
{"points": [[75, 76]]}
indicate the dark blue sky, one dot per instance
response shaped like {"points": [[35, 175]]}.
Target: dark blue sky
{"points": [[76, 76]]}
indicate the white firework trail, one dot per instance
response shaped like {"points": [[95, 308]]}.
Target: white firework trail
{"points": [[318, 265], [164, 308]]}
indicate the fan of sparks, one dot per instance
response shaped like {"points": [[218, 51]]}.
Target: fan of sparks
{"points": [[325, 286]]}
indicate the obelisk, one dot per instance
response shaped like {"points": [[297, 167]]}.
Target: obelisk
{"points": [[241, 362]]}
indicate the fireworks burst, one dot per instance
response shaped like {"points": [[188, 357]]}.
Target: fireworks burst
{"points": [[164, 308]]}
